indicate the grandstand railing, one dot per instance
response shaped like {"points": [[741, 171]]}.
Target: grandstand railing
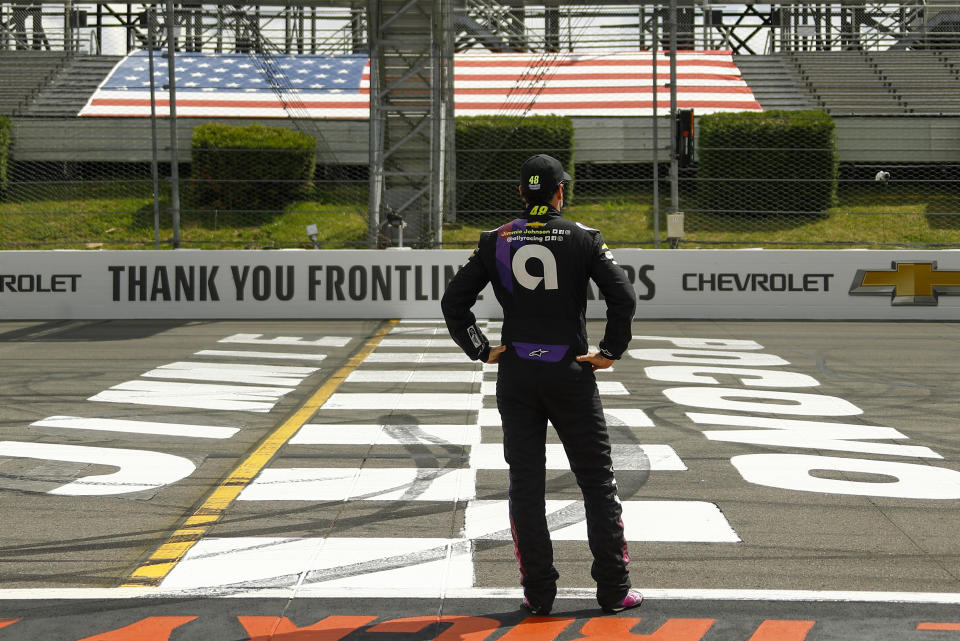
{"points": [[746, 28]]}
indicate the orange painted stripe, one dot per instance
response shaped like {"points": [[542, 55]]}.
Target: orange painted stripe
{"points": [[619, 630], [930, 625], [777, 630], [149, 629], [537, 629], [462, 628], [331, 628]]}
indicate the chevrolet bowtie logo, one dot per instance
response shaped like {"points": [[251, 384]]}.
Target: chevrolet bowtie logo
{"points": [[537, 353], [908, 283]]}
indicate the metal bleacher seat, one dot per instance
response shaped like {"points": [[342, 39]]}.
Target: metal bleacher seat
{"points": [[23, 74], [924, 80], [845, 82], [773, 83], [881, 82], [68, 91]]}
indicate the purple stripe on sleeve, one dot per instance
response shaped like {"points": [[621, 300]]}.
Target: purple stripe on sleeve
{"points": [[504, 255]]}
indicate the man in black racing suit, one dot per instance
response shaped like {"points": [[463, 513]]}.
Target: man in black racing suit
{"points": [[539, 266]]}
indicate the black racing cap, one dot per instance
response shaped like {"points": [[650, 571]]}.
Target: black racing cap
{"points": [[540, 176]]}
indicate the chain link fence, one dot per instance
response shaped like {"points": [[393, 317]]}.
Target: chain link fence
{"points": [[92, 183], [111, 205], [81, 204], [874, 198]]}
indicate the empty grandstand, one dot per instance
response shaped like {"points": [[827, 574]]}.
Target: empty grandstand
{"points": [[70, 87], [890, 67], [880, 82], [24, 74]]}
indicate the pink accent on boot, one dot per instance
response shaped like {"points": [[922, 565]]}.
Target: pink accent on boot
{"points": [[632, 600]]}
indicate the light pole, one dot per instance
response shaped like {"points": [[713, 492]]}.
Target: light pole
{"points": [[656, 133], [172, 94], [674, 161], [154, 161]]}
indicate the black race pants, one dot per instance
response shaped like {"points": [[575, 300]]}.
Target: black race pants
{"points": [[529, 393]]}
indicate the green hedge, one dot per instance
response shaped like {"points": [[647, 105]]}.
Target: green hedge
{"points": [[775, 161], [490, 151], [4, 152], [252, 168]]}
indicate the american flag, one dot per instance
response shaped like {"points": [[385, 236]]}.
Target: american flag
{"points": [[513, 84]]}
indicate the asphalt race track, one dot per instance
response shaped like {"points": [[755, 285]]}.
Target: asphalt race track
{"points": [[326, 480]]}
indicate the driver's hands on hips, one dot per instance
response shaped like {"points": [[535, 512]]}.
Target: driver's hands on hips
{"points": [[595, 359], [495, 353]]}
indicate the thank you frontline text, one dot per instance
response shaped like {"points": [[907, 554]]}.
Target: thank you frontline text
{"points": [[392, 282], [376, 284]]}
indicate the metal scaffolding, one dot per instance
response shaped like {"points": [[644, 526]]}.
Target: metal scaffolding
{"points": [[337, 26], [411, 120]]}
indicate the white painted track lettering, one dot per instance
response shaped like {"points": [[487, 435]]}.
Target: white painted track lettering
{"points": [[707, 357], [245, 398], [704, 343], [814, 435], [138, 470], [233, 373], [793, 472], [720, 398], [296, 341], [136, 427], [749, 377]]}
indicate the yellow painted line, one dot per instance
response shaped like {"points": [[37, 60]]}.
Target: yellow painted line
{"points": [[166, 557]]}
